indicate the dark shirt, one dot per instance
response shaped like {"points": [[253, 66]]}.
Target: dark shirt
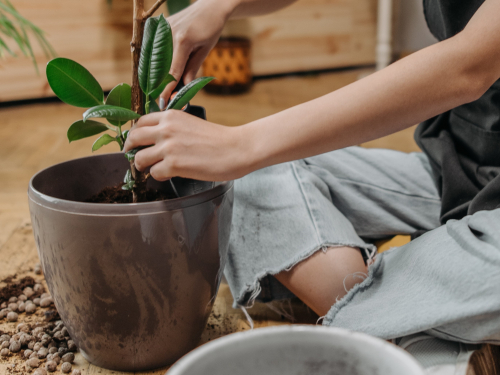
{"points": [[463, 145]]}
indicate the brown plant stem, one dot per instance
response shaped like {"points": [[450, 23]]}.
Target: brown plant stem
{"points": [[137, 97], [153, 9]]}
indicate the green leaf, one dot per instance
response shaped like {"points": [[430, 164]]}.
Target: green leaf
{"points": [[153, 106], [110, 112], [156, 54], [120, 96], [79, 129], [175, 6], [125, 135], [156, 93], [188, 92], [128, 181], [73, 84], [102, 141], [130, 155]]}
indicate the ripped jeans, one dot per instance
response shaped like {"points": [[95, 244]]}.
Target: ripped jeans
{"points": [[445, 283]]}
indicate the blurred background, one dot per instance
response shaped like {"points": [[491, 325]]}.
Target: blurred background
{"points": [[299, 53]]}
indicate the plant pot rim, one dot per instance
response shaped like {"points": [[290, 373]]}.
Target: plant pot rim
{"points": [[120, 209]]}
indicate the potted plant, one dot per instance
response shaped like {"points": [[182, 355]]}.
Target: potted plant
{"points": [[133, 282]]}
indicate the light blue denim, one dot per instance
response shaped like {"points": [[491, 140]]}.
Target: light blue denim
{"points": [[445, 283]]}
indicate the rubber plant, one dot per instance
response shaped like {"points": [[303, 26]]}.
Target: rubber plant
{"points": [[152, 50]]}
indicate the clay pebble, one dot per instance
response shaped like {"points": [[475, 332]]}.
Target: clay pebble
{"points": [[40, 371], [4, 352], [46, 302], [37, 346], [4, 312], [5, 344], [53, 350], [28, 292], [45, 295], [21, 307], [68, 357], [30, 308], [38, 288], [27, 353], [36, 301], [37, 269], [71, 346], [76, 372], [33, 362], [3, 305], [22, 298], [12, 299], [4, 338], [34, 355], [66, 367], [51, 366], [12, 316], [15, 347], [13, 306], [42, 353]]}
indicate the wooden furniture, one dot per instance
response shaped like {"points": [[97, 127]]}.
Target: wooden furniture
{"points": [[308, 35]]}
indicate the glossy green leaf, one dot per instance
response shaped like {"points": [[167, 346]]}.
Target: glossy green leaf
{"points": [[156, 93], [128, 181], [175, 6], [188, 92], [130, 155], [153, 106], [120, 96], [125, 135], [102, 141], [79, 129], [110, 112], [73, 84], [156, 54]]}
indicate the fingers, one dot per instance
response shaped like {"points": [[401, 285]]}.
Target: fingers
{"points": [[160, 171], [194, 64], [179, 60], [151, 119], [144, 136], [147, 157]]}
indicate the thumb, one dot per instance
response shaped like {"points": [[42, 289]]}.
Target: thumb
{"points": [[179, 60]]}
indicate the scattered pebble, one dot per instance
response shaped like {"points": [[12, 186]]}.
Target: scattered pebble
{"points": [[40, 371], [64, 331], [38, 288], [56, 358], [33, 362], [13, 306], [45, 295], [66, 367], [21, 307], [71, 346], [46, 302], [36, 301], [22, 327], [5, 344], [12, 299], [28, 292], [68, 357], [42, 353], [12, 316], [3, 305], [34, 355], [22, 298], [27, 353], [15, 347], [51, 366], [76, 372], [38, 269], [53, 350], [37, 347], [30, 308]]}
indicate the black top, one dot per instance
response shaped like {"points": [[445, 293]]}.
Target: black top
{"points": [[463, 144]]}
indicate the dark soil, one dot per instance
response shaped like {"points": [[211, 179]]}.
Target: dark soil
{"points": [[115, 194], [15, 288]]}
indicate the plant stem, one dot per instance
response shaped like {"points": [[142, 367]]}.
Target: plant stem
{"points": [[137, 97], [154, 8]]}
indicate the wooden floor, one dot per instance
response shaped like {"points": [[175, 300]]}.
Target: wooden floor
{"points": [[34, 137]]}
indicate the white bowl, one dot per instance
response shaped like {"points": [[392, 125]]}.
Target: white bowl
{"points": [[297, 350]]}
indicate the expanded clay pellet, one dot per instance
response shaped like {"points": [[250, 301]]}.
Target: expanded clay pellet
{"points": [[51, 366], [66, 367]]}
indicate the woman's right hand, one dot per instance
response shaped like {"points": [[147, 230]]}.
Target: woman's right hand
{"points": [[195, 30]]}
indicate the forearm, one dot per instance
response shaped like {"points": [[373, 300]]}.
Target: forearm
{"points": [[414, 89]]}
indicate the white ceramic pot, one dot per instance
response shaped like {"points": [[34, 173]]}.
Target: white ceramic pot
{"points": [[297, 350]]}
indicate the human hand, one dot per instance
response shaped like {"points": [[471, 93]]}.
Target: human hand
{"points": [[195, 30], [187, 146]]}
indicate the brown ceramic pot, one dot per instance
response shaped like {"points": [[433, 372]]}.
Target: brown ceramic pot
{"points": [[133, 283]]}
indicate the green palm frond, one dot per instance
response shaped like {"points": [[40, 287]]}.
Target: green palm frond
{"points": [[13, 26]]}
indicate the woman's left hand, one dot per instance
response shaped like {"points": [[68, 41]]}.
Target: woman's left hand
{"points": [[186, 146]]}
